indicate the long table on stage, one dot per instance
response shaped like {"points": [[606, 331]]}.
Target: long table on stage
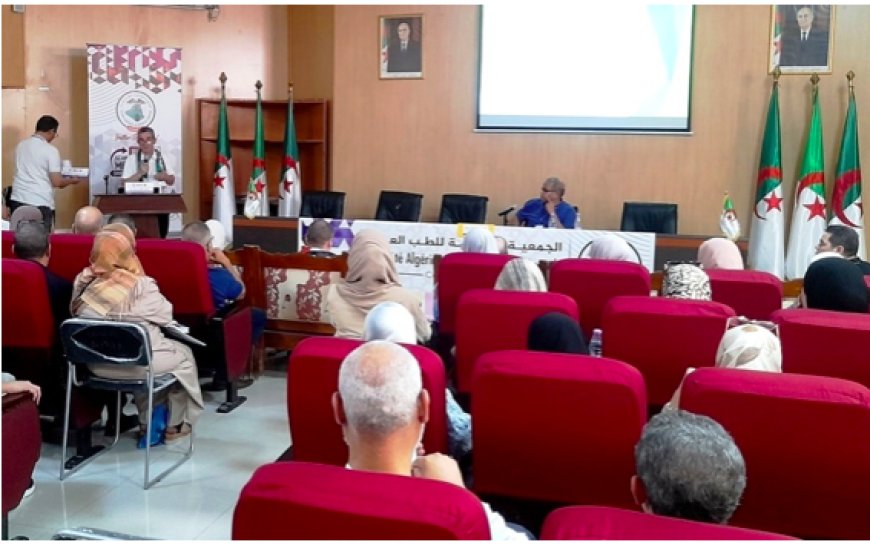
{"points": [[144, 208]]}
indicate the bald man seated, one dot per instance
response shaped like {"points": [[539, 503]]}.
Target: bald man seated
{"points": [[88, 220], [382, 409]]}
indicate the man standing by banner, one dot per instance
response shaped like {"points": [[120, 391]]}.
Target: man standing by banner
{"points": [[148, 164]]}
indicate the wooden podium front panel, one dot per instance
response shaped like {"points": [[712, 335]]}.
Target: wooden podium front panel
{"points": [[271, 234], [143, 208]]}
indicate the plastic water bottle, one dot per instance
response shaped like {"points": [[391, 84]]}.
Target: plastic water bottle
{"points": [[595, 343], [552, 222]]}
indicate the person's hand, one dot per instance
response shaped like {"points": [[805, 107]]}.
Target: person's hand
{"points": [[438, 467], [164, 177], [17, 386], [550, 205], [218, 256], [143, 170]]}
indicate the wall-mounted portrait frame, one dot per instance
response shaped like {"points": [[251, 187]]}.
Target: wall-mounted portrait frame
{"points": [[401, 46], [801, 39]]}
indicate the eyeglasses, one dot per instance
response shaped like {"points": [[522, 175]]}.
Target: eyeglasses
{"points": [[737, 321], [545, 190]]}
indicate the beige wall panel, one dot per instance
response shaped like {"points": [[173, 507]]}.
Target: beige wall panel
{"points": [[247, 42], [311, 50], [13, 48], [417, 135]]}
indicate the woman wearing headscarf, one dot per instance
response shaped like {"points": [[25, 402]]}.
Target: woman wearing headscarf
{"points": [[556, 332], [391, 321], [479, 240], [115, 287], [749, 347], [719, 253], [834, 283], [520, 274], [371, 279], [686, 281], [611, 247]]}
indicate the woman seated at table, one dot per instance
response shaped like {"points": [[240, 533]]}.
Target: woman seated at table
{"points": [[115, 287]]}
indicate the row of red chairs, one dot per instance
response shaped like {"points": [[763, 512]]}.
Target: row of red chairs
{"points": [[562, 428]]}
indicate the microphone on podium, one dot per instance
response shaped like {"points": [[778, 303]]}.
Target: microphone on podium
{"points": [[144, 176], [507, 210]]}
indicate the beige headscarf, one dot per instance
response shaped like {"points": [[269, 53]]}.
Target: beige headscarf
{"points": [[720, 253], [106, 284], [750, 347], [371, 271], [521, 275], [611, 247]]}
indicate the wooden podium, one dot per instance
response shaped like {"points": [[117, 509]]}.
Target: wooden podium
{"points": [[144, 208]]}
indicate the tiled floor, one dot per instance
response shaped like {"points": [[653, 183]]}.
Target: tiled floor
{"points": [[195, 501]]}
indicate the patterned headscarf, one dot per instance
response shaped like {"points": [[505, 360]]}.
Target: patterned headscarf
{"points": [[371, 271], [750, 347], [720, 253], [686, 281], [106, 284], [520, 274]]}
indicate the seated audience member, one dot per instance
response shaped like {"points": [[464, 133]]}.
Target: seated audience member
{"points": [[612, 247], [834, 283], [479, 240], [521, 275], [502, 245], [750, 346], [124, 219], [24, 214], [549, 210], [382, 408], [555, 332], [688, 467], [371, 279], [318, 239], [719, 253], [32, 244], [844, 241], [87, 221], [115, 287], [685, 281], [391, 321]]}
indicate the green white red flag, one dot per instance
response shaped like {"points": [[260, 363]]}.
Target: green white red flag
{"points": [[728, 222], [290, 192], [223, 196], [767, 235], [847, 207], [808, 219], [257, 202]]}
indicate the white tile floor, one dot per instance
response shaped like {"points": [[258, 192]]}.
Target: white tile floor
{"points": [[195, 501]]}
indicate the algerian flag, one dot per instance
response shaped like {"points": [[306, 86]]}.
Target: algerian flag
{"points": [[808, 218], [224, 205], [257, 203], [728, 221], [846, 204], [291, 174], [767, 237]]}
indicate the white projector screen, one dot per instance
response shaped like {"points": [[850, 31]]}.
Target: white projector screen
{"points": [[585, 66]]}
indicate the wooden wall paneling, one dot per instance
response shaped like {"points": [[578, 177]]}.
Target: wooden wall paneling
{"points": [[14, 74]]}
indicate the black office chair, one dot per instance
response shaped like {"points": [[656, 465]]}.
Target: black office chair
{"points": [[458, 208], [649, 217], [322, 204], [105, 342], [399, 206]]}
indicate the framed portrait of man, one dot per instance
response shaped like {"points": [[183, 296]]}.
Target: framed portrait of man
{"points": [[401, 47], [802, 39]]}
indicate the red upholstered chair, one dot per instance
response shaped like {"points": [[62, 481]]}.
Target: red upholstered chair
{"points": [[70, 254], [827, 343], [459, 272], [593, 282], [608, 523], [9, 240], [21, 445], [806, 442], [490, 320], [29, 333], [294, 500], [663, 337], [556, 427], [312, 377], [754, 294]]}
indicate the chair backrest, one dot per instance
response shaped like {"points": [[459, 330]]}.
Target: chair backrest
{"points": [[805, 443], [754, 294], [303, 501], [649, 217], [399, 206], [181, 272], [8, 241], [488, 320], [322, 204], [27, 319], [459, 272], [21, 446], [556, 427], [233, 331], [588, 522], [312, 377], [456, 208], [70, 254], [594, 282], [663, 337], [106, 342], [824, 342]]}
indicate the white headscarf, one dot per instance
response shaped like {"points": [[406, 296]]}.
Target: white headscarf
{"points": [[750, 347], [218, 234], [520, 274], [480, 240], [390, 321], [611, 247]]}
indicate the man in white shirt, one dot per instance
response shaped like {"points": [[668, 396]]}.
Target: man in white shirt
{"points": [[148, 164], [38, 171], [382, 408]]}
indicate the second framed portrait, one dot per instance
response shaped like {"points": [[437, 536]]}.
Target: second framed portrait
{"points": [[401, 47], [802, 39]]}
